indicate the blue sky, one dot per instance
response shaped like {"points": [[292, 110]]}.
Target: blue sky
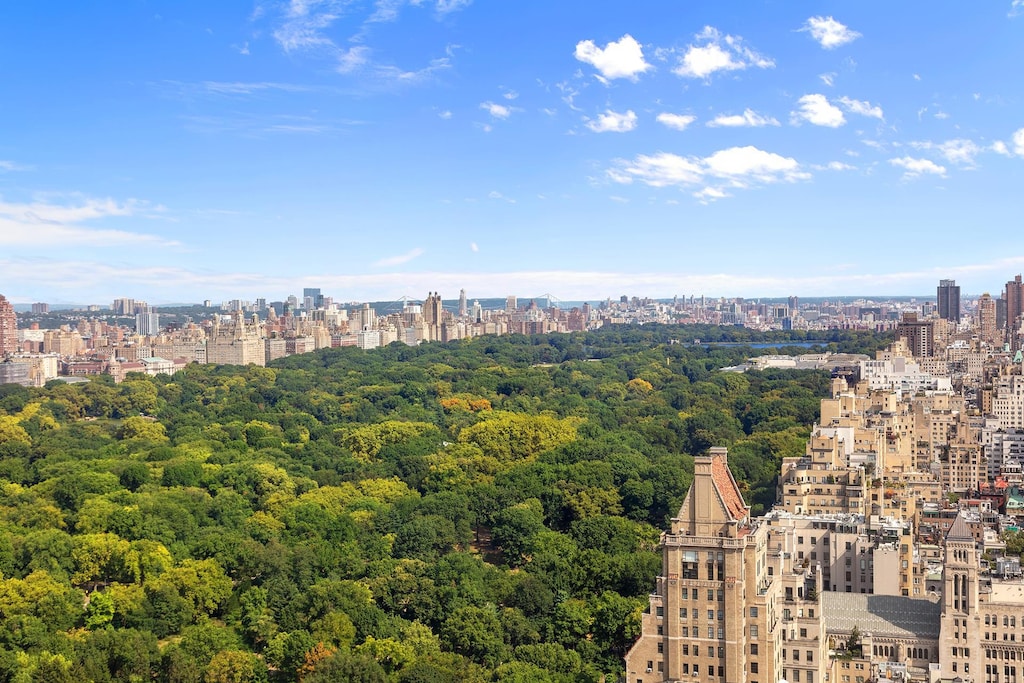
{"points": [[178, 151]]}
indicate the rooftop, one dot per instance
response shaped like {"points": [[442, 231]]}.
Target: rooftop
{"points": [[882, 615]]}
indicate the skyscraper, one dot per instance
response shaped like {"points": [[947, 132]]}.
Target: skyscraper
{"points": [[1014, 302], [987, 319], [948, 296], [8, 328], [147, 322], [462, 303]]}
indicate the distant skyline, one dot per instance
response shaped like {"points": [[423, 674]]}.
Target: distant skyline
{"points": [[194, 150]]}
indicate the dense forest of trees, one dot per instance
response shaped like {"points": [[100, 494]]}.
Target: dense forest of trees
{"points": [[485, 510]]}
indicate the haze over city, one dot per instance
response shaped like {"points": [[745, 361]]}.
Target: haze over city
{"points": [[191, 151]]}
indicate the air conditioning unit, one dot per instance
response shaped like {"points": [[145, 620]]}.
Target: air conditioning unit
{"points": [[649, 669], [694, 673]]}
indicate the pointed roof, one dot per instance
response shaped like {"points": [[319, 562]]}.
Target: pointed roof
{"points": [[728, 490], [960, 531]]}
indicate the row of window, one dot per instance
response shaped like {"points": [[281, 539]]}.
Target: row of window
{"points": [[993, 620]]}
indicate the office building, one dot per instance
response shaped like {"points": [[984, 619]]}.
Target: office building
{"points": [[948, 299]]}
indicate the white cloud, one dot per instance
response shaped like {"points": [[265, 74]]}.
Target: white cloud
{"points": [[494, 194], [304, 23], [443, 7], [1018, 142], [1016, 8], [622, 59], [828, 79], [399, 259], [749, 118], [960, 151], [999, 147], [861, 107], [446, 114], [835, 166], [353, 59], [8, 166], [613, 122], [735, 167], [94, 282], [676, 121], [617, 199], [917, 77], [829, 33], [710, 194], [473, 247], [46, 224], [498, 111], [915, 168], [510, 94], [816, 109], [712, 52]]}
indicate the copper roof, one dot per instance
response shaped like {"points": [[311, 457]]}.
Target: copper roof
{"points": [[726, 486]]}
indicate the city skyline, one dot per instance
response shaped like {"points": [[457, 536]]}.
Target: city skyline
{"points": [[378, 150]]}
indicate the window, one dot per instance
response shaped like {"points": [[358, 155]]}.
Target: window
{"points": [[686, 650], [682, 612], [711, 615], [753, 650], [753, 631], [803, 633], [753, 613], [753, 667], [661, 648], [660, 611], [711, 632], [711, 595]]}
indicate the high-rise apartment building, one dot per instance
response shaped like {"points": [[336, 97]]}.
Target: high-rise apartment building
{"points": [[147, 322], [1014, 300], [919, 335], [40, 308], [123, 306], [987, 319], [948, 299], [8, 327], [463, 308], [511, 303]]}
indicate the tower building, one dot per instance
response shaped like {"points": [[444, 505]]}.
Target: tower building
{"points": [[948, 299], [8, 328]]}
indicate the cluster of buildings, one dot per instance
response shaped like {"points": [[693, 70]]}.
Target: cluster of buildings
{"points": [[885, 556]]}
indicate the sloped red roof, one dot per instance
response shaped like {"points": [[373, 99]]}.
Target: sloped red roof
{"points": [[727, 489]]}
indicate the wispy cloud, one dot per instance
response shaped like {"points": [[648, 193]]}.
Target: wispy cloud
{"points": [[618, 59], [1018, 142], [253, 125], [749, 118], [37, 277], [961, 152], [1016, 8], [829, 33], [861, 108], [399, 259], [713, 51], [304, 27], [613, 122], [494, 194], [9, 166], [47, 223]]}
